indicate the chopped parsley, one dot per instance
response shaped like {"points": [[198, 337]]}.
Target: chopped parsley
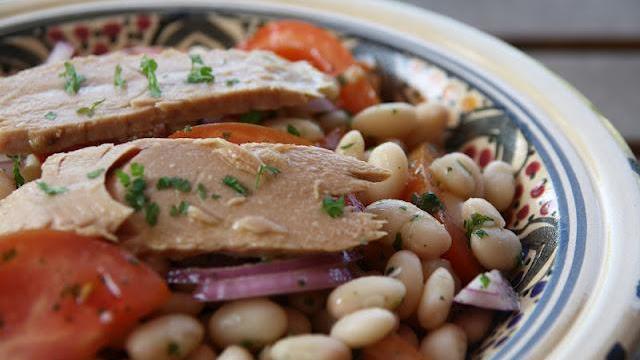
{"points": [[181, 209], [428, 202], [123, 177], [333, 207], [8, 255], [346, 146], [199, 72], [51, 190], [481, 233], [402, 207], [72, 80], [235, 184], [148, 67], [265, 168], [475, 223], [202, 191], [91, 110], [173, 349], [397, 242], [215, 196], [118, 81], [95, 173], [17, 176], [137, 170], [175, 182], [292, 130], [50, 115], [232, 82], [151, 212], [484, 281], [463, 167], [187, 128], [252, 117]]}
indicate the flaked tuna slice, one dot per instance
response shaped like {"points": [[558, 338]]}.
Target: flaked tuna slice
{"points": [[38, 114], [198, 196]]}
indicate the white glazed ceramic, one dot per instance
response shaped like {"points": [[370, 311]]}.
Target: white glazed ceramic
{"points": [[584, 299]]}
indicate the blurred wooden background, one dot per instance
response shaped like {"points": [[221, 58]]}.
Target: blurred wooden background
{"points": [[593, 44]]}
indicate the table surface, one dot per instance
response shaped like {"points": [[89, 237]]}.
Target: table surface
{"points": [[593, 44]]}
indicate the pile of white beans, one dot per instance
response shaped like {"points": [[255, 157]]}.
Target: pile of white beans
{"points": [[412, 296]]}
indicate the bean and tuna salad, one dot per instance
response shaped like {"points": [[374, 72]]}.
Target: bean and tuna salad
{"points": [[260, 202]]}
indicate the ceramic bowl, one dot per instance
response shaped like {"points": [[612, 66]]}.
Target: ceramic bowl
{"points": [[577, 203]]}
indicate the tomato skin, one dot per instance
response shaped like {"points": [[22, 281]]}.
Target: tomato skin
{"points": [[393, 347], [298, 40], [240, 133], [459, 254], [66, 296]]}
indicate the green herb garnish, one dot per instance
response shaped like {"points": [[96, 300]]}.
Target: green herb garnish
{"points": [[476, 222], [123, 177], [187, 128], [397, 242], [51, 190], [346, 146], [480, 233], [89, 111], [118, 81], [215, 196], [175, 182], [484, 281], [151, 212], [428, 202], [50, 115], [333, 207], [135, 196], [199, 72], [17, 176], [148, 67], [202, 191], [72, 79], [137, 170], [265, 168], [235, 184], [181, 209], [463, 167], [95, 173], [252, 117], [231, 82], [292, 130]]}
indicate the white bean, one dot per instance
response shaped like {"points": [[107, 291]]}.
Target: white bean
{"points": [[396, 213], [475, 322], [429, 266], [364, 327], [425, 236], [453, 204], [446, 343], [308, 129], [458, 173], [251, 322], [388, 120], [406, 267], [365, 292], [166, 337], [496, 248], [333, 119], [436, 300], [391, 157], [31, 168], [297, 322], [482, 207], [6, 185], [308, 302], [322, 322], [499, 184], [431, 120], [408, 334], [235, 352], [182, 303], [351, 144], [202, 352], [310, 347]]}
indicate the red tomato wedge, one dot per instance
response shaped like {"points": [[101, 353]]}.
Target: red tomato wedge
{"points": [[66, 296], [462, 260], [298, 40], [393, 347], [240, 133]]}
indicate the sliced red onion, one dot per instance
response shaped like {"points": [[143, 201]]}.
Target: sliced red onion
{"points": [[61, 51], [6, 164], [353, 201], [200, 275], [320, 105], [490, 291], [286, 282]]}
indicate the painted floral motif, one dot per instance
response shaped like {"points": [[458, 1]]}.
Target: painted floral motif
{"points": [[479, 128]]}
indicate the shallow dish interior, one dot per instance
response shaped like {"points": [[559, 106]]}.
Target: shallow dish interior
{"points": [[480, 127]]}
